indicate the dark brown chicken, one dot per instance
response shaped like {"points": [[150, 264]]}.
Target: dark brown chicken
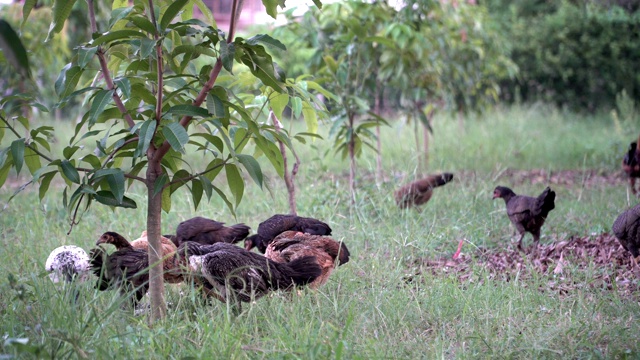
{"points": [[279, 223], [238, 275], [292, 245], [527, 213], [420, 191], [207, 232], [631, 166], [627, 229], [169, 264], [125, 270]]}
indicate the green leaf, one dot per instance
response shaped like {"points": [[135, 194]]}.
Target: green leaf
{"points": [[106, 197], [119, 13], [100, 101], [116, 35], [206, 186], [68, 80], [235, 182], [178, 179], [32, 160], [176, 135], [159, 184], [166, 200], [45, 180], [310, 117], [17, 152], [216, 107], [119, 4], [171, 13], [272, 6], [206, 12], [124, 85], [267, 40], [252, 166], [68, 151], [26, 10], [61, 11], [85, 54], [70, 171], [196, 192], [278, 102], [116, 184], [13, 50], [226, 201], [227, 54], [4, 172], [147, 130], [188, 110]]}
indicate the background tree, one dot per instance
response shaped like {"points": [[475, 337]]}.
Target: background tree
{"points": [[154, 99]]}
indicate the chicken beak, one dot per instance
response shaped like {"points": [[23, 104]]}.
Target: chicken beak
{"points": [[248, 245]]}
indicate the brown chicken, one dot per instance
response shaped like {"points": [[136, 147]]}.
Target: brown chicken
{"points": [[627, 229], [279, 223], [125, 270], [420, 191], [527, 213], [169, 263], [207, 232], [231, 273], [292, 245], [631, 166]]}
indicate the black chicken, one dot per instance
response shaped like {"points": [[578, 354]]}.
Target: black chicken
{"points": [[525, 212], [126, 270], [627, 229], [279, 223], [239, 275], [207, 231], [631, 166]]}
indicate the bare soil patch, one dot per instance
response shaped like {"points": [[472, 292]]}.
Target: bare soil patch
{"points": [[563, 263]]}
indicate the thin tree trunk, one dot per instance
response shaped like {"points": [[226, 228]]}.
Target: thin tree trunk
{"points": [[352, 158], [154, 220], [378, 141], [425, 148], [289, 178]]}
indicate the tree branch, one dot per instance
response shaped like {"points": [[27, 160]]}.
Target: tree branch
{"points": [[105, 69], [34, 149], [159, 64], [191, 177]]}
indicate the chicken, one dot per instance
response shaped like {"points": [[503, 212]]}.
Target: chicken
{"points": [[279, 223], [169, 263], [292, 245], [239, 275], [627, 229], [125, 269], [631, 165], [69, 263], [420, 191], [207, 231], [527, 213]]}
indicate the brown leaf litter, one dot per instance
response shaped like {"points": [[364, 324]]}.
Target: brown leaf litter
{"points": [[596, 261]]}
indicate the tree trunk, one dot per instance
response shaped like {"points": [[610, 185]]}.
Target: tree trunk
{"points": [[289, 178], [378, 141], [425, 149], [154, 220], [352, 158]]}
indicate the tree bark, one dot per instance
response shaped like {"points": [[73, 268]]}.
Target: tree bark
{"points": [[289, 178], [425, 148], [352, 158], [154, 221], [377, 109]]}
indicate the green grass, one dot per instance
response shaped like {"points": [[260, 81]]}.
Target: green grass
{"points": [[366, 310]]}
